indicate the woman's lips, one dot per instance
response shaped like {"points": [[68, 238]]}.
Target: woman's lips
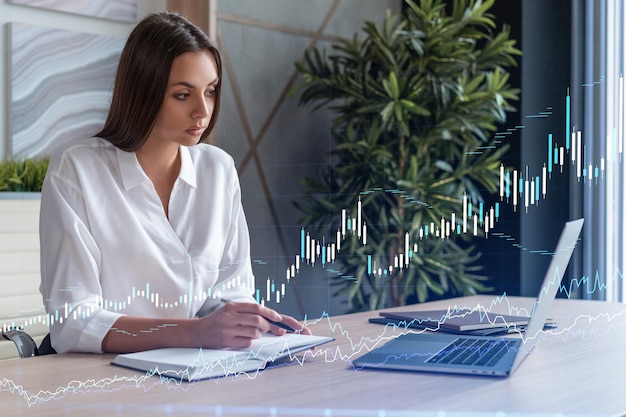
{"points": [[196, 130]]}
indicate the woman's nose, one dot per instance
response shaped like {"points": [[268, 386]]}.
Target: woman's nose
{"points": [[202, 109]]}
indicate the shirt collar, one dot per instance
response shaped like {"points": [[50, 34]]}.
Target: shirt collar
{"points": [[133, 175], [187, 169]]}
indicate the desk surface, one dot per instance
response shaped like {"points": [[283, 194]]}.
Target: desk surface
{"points": [[577, 369]]}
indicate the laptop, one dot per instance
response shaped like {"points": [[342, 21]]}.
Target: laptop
{"points": [[477, 355]]}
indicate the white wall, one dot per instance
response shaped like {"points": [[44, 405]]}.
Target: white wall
{"points": [[48, 18]]}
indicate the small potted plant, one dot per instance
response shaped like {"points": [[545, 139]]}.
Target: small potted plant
{"points": [[20, 188], [23, 176]]}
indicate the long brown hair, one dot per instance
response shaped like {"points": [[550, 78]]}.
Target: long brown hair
{"points": [[143, 73]]}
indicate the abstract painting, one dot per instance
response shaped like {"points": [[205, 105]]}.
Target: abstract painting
{"points": [[61, 84], [124, 10]]}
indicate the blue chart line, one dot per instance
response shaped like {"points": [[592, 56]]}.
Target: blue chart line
{"points": [[518, 188]]}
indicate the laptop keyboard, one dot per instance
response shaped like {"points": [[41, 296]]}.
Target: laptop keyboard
{"points": [[467, 351]]}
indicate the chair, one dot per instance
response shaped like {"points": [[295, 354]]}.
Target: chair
{"points": [[21, 304], [26, 346]]}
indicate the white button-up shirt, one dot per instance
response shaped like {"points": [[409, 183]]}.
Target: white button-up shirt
{"points": [[108, 249]]}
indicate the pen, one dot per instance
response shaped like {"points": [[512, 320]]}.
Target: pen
{"points": [[275, 323]]}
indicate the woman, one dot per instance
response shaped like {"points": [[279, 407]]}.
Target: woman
{"points": [[142, 231]]}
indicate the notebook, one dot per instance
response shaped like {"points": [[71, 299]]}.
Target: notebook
{"points": [[482, 355], [190, 364], [417, 325], [460, 320]]}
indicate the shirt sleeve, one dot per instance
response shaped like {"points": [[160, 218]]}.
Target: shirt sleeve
{"points": [[70, 265], [236, 279]]}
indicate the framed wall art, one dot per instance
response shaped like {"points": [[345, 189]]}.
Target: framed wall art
{"points": [[61, 84], [122, 10]]}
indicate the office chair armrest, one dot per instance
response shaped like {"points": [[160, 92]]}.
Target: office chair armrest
{"points": [[26, 346]]}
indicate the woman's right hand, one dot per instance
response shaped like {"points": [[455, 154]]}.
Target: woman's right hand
{"points": [[234, 325]]}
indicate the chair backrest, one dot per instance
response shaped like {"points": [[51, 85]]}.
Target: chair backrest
{"points": [[25, 345], [21, 304]]}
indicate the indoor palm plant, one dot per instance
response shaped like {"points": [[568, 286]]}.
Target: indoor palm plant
{"points": [[415, 104]]}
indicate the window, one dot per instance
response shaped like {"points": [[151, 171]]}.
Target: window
{"points": [[604, 200]]}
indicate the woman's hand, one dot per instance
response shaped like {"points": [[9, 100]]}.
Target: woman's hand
{"points": [[236, 325], [291, 322]]}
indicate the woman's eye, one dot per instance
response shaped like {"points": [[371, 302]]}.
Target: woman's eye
{"points": [[181, 96], [209, 93]]}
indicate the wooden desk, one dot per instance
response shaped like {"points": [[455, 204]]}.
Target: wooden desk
{"points": [[580, 368]]}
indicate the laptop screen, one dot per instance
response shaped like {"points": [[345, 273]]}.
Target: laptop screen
{"points": [[549, 287]]}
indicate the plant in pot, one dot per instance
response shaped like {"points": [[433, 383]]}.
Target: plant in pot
{"points": [[415, 104], [24, 175]]}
